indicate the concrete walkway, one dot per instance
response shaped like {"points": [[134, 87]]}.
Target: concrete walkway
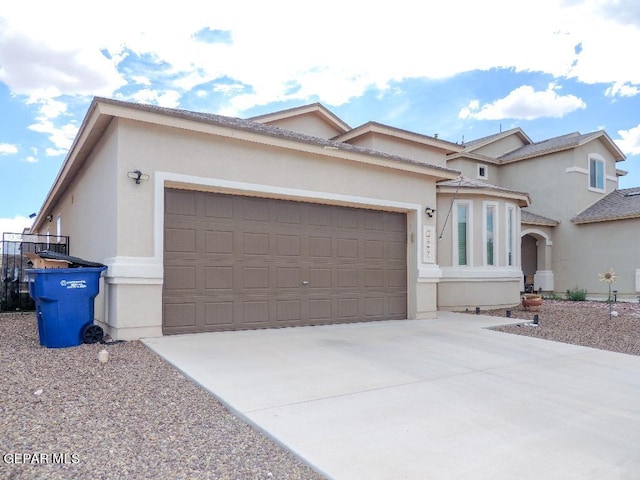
{"points": [[426, 399]]}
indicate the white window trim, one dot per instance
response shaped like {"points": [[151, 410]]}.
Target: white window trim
{"points": [[600, 159], [510, 207], [454, 237], [486, 171], [59, 227], [496, 233]]}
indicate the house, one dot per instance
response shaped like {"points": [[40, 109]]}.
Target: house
{"points": [[211, 223], [579, 223]]}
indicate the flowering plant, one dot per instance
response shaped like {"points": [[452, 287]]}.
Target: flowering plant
{"points": [[609, 276]]}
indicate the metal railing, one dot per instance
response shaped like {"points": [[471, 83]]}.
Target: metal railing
{"points": [[14, 285]]}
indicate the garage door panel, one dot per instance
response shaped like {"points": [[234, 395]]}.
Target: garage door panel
{"points": [[245, 262], [218, 313], [219, 277], [180, 315], [320, 247], [180, 240], [255, 311], [180, 277], [219, 241]]}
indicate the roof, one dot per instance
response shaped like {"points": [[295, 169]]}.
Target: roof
{"points": [[469, 185], [103, 110], [563, 142], [531, 218], [481, 142], [316, 108], [618, 205], [375, 127]]}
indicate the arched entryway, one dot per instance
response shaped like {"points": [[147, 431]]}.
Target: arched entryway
{"points": [[536, 260]]}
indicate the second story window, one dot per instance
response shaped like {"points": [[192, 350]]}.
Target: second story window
{"points": [[482, 171], [596, 173]]}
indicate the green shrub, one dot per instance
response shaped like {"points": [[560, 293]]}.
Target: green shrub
{"points": [[577, 295]]}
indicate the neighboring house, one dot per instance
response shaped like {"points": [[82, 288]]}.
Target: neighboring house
{"points": [[579, 223], [212, 223]]}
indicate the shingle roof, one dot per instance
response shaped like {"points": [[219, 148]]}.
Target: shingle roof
{"points": [[617, 205], [266, 129], [470, 183], [563, 142], [534, 219]]}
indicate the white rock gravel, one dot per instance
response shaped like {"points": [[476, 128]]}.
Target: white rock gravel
{"points": [[581, 323], [134, 417]]}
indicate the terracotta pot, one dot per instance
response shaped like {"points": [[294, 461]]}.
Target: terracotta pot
{"points": [[531, 300]]}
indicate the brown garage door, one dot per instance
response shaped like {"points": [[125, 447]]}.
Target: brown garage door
{"points": [[233, 262]]}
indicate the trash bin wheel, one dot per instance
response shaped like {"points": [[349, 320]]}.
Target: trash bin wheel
{"points": [[92, 334]]}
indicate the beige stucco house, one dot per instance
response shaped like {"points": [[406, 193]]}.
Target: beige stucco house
{"points": [[210, 223], [579, 223]]}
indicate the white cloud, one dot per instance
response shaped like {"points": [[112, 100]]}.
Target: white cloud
{"points": [[14, 225], [629, 141], [8, 149], [61, 136], [342, 53], [525, 103], [621, 89]]}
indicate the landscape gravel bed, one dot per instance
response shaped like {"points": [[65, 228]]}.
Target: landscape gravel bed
{"points": [[65, 415], [585, 323]]}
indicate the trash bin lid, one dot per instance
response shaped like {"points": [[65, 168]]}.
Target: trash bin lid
{"points": [[74, 262]]}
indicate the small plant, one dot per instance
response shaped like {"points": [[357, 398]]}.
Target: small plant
{"points": [[609, 277], [577, 295]]}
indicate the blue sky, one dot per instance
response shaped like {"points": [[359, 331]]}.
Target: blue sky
{"points": [[462, 69]]}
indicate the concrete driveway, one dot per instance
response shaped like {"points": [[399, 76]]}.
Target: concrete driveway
{"points": [[426, 399]]}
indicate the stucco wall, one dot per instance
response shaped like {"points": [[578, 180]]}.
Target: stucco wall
{"points": [[402, 148], [477, 284], [601, 246], [133, 220], [309, 124]]}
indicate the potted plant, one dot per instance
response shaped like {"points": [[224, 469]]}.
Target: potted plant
{"points": [[530, 300]]}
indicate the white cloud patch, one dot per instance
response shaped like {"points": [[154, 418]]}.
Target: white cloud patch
{"points": [[281, 57], [620, 89], [8, 149], [525, 103], [629, 141], [14, 225]]}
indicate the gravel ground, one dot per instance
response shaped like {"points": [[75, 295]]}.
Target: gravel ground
{"points": [[138, 417], [133, 417], [580, 323]]}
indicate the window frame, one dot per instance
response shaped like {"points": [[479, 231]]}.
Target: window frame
{"points": [[495, 236], [511, 233], [479, 175], [455, 246], [596, 160]]}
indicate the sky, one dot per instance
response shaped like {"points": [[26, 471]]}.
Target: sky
{"points": [[461, 69]]}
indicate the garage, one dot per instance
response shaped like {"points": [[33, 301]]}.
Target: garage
{"points": [[234, 262]]}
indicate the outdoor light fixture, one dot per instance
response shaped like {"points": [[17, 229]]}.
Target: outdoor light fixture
{"points": [[429, 211], [49, 218], [137, 175]]}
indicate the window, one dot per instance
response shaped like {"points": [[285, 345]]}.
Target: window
{"points": [[482, 171], [490, 233], [596, 173], [462, 234], [59, 228], [511, 235]]}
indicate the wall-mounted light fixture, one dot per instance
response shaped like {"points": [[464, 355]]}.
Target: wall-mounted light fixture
{"points": [[49, 218], [137, 175], [429, 211]]}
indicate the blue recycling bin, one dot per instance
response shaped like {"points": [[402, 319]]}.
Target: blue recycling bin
{"points": [[64, 299]]}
